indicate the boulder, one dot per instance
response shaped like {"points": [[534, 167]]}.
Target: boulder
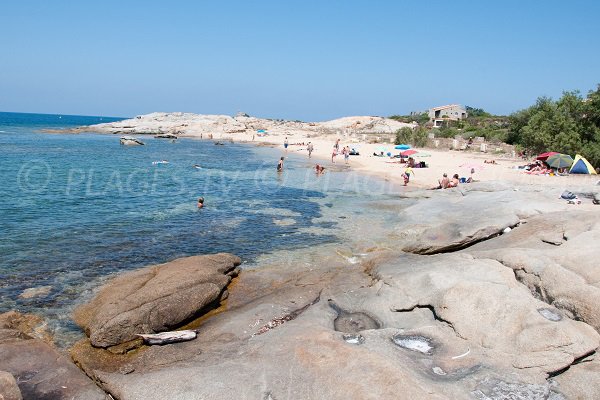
{"points": [[486, 306], [9, 390], [581, 381], [40, 371], [457, 219], [156, 298], [429, 327], [555, 257]]}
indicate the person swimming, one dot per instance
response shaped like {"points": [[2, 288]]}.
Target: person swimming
{"points": [[200, 202]]}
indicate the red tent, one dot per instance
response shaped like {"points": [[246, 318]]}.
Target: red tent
{"points": [[544, 156]]}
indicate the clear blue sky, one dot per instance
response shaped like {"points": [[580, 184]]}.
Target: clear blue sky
{"points": [[309, 60]]}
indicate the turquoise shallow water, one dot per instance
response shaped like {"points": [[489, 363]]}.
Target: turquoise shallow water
{"points": [[77, 208]]}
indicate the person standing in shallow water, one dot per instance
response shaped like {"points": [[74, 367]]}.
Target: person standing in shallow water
{"points": [[286, 143], [310, 149], [280, 165]]}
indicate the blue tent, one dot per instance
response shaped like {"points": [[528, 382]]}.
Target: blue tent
{"points": [[402, 147], [581, 166]]}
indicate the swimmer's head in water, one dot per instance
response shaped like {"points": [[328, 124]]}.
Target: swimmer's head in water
{"points": [[281, 158], [201, 200]]}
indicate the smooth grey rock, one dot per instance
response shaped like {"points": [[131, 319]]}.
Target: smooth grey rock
{"points": [[565, 276], [485, 305], [155, 299], [581, 381], [456, 220]]}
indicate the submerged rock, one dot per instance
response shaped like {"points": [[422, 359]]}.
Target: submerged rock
{"points": [[156, 299], [9, 390]]}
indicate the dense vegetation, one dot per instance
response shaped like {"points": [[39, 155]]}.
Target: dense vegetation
{"points": [[479, 123], [569, 125]]}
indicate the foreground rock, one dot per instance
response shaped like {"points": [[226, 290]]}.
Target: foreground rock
{"points": [[156, 299], [559, 262], [443, 326], [40, 371]]}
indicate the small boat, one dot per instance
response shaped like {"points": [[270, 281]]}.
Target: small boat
{"points": [[160, 162], [166, 136], [130, 141]]}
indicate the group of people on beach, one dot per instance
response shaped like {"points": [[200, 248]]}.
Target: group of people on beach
{"points": [[336, 150], [446, 183]]}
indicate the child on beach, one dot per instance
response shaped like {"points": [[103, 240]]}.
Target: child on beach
{"points": [[346, 152], [406, 175], [310, 149]]}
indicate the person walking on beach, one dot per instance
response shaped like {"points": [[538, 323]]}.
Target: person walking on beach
{"points": [[334, 153], [286, 143], [280, 165], [346, 152], [310, 149], [337, 146]]}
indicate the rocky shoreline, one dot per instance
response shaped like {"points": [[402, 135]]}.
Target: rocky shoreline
{"points": [[190, 124], [489, 292]]}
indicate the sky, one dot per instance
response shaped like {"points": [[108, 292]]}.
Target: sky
{"points": [[306, 60]]}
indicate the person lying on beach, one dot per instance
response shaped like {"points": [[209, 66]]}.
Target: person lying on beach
{"points": [[490, 162]]}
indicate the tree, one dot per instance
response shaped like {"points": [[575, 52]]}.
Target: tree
{"points": [[477, 112], [416, 137], [570, 125]]}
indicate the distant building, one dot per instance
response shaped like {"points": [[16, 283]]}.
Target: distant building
{"points": [[452, 112]]}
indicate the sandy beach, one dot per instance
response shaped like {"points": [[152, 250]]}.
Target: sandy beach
{"points": [[356, 132]]}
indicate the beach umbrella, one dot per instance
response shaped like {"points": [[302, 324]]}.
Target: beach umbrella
{"points": [[402, 147], [544, 156], [559, 161], [409, 152]]}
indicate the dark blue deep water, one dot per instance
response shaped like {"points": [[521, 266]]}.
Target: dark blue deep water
{"points": [[77, 207]]}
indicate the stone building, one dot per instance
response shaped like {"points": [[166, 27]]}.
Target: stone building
{"points": [[452, 112]]}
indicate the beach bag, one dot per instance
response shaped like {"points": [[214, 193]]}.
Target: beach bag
{"points": [[568, 195]]}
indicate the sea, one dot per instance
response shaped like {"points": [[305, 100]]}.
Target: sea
{"points": [[76, 209]]}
